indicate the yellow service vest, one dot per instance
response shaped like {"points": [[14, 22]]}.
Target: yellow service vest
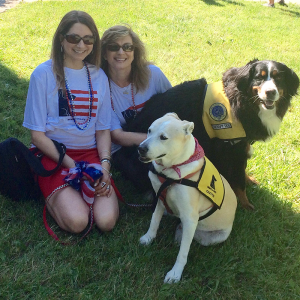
{"points": [[210, 183], [219, 122]]}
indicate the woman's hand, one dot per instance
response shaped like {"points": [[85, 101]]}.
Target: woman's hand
{"points": [[103, 186], [48, 148]]}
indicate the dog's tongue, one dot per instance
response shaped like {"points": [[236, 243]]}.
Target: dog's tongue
{"points": [[269, 104]]}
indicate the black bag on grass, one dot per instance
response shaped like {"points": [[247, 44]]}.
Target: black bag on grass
{"points": [[19, 167]]}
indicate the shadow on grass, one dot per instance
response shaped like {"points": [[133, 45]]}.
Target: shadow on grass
{"points": [[218, 3], [291, 12], [12, 104], [261, 255], [260, 258]]}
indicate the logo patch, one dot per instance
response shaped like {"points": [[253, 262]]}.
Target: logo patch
{"points": [[221, 126], [218, 111], [212, 183]]}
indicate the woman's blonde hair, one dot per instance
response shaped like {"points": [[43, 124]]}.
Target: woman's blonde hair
{"points": [[57, 53], [140, 73]]}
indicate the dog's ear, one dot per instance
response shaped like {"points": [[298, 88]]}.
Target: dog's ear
{"points": [[239, 76], [292, 81], [172, 114], [188, 127], [244, 75], [251, 62]]}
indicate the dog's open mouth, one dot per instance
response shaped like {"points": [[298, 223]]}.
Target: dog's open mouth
{"points": [[144, 159], [268, 104]]}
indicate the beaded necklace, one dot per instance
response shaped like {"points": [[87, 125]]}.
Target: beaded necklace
{"points": [[72, 105], [132, 97]]}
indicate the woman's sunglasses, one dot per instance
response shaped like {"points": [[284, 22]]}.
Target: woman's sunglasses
{"points": [[116, 47], [75, 39]]}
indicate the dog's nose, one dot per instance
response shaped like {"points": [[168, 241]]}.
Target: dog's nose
{"points": [[142, 150], [270, 93]]}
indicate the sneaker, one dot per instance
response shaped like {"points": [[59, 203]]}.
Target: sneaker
{"points": [[269, 5]]}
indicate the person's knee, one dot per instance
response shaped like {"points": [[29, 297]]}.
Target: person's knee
{"points": [[76, 223], [107, 222]]}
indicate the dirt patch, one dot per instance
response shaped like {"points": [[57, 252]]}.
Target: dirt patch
{"points": [[7, 4]]}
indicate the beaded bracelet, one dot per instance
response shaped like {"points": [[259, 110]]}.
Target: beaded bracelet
{"points": [[105, 160], [107, 171], [106, 156]]}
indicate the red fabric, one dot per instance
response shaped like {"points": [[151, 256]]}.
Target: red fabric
{"points": [[118, 194], [49, 184], [199, 153]]}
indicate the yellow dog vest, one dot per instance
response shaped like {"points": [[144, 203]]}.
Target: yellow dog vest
{"points": [[219, 122], [209, 184]]}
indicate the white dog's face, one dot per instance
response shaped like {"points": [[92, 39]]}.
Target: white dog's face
{"points": [[165, 139]]}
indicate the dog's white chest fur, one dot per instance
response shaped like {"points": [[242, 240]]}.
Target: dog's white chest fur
{"points": [[269, 119]]}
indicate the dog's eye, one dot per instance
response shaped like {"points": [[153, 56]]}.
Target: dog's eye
{"points": [[149, 131], [163, 137]]}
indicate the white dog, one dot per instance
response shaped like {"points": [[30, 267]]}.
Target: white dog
{"points": [[175, 154]]}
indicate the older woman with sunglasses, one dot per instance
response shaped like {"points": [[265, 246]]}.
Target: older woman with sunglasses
{"points": [[132, 81], [68, 101]]}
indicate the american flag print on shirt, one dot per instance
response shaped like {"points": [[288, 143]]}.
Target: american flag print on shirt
{"points": [[80, 104]]}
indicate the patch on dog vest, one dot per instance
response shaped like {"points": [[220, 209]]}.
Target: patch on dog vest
{"points": [[210, 183], [219, 122]]}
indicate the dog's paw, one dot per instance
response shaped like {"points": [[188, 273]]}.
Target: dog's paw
{"points": [[146, 239], [172, 276], [241, 195]]}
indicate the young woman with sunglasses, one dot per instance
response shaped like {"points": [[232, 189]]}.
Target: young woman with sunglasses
{"points": [[68, 101], [132, 80]]}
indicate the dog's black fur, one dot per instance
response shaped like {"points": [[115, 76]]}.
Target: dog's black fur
{"points": [[241, 85]]}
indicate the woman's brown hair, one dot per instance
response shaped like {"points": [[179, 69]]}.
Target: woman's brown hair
{"points": [[140, 73], [57, 53]]}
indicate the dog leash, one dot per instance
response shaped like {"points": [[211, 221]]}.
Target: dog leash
{"points": [[120, 197], [91, 221], [51, 232]]}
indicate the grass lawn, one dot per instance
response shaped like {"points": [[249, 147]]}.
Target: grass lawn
{"points": [[187, 39]]}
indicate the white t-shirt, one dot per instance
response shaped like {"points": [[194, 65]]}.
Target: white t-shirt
{"points": [[122, 99], [47, 108]]}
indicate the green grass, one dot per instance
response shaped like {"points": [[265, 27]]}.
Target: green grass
{"points": [[187, 39]]}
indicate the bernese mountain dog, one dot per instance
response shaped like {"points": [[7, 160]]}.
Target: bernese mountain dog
{"points": [[248, 105]]}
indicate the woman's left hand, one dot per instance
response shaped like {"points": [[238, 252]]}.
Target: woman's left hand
{"points": [[103, 186]]}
